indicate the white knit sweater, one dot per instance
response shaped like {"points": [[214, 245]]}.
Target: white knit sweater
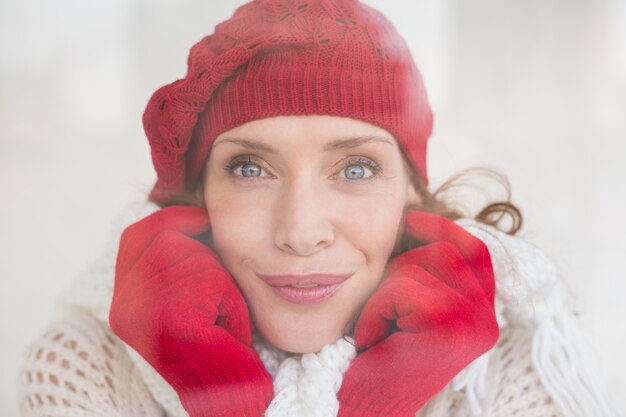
{"points": [[541, 366]]}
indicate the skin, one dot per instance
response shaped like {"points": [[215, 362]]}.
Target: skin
{"points": [[302, 211]]}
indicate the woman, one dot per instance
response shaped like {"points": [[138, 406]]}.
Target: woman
{"points": [[292, 261]]}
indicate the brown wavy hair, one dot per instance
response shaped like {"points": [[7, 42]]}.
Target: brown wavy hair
{"points": [[443, 201], [455, 197]]}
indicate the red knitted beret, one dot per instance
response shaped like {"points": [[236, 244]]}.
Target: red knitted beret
{"points": [[286, 57]]}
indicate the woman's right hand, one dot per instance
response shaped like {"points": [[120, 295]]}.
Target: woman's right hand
{"points": [[176, 305]]}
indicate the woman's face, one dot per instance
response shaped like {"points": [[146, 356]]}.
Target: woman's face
{"points": [[305, 212]]}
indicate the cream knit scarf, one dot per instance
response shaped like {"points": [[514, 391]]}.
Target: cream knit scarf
{"points": [[528, 293]]}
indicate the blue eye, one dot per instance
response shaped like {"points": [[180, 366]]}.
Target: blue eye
{"points": [[354, 172], [360, 169], [246, 168], [251, 170]]}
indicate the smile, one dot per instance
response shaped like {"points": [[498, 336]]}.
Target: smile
{"points": [[305, 289]]}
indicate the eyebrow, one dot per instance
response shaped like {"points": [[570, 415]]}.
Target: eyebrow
{"points": [[340, 143], [247, 144], [353, 142]]}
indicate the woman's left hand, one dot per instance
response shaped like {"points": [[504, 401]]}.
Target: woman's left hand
{"points": [[432, 315]]}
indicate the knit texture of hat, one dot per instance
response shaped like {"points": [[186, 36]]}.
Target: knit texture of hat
{"points": [[287, 57]]}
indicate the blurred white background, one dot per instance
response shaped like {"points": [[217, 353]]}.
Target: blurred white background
{"points": [[535, 88]]}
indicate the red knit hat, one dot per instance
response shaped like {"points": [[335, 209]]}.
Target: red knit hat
{"points": [[287, 57]]}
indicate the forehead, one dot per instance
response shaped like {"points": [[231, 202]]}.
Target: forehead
{"points": [[323, 130]]}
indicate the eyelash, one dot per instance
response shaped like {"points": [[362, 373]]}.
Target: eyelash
{"points": [[371, 165], [238, 162]]}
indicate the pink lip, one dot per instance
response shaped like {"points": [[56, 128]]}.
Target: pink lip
{"points": [[284, 286]]}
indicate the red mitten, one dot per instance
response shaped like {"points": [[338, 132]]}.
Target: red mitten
{"points": [[179, 308], [432, 315]]}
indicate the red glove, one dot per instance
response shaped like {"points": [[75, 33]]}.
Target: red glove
{"points": [[437, 301], [180, 309]]}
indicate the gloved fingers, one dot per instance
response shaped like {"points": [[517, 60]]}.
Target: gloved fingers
{"points": [[164, 251], [138, 236], [430, 228], [377, 318], [444, 261], [213, 296], [196, 289], [440, 313], [412, 300], [187, 220]]}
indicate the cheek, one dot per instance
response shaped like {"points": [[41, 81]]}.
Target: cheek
{"points": [[239, 226], [374, 233], [373, 222]]}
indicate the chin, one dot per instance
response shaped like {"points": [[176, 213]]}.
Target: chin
{"points": [[300, 336], [292, 345]]}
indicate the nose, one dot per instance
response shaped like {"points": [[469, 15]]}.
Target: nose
{"points": [[303, 226]]}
